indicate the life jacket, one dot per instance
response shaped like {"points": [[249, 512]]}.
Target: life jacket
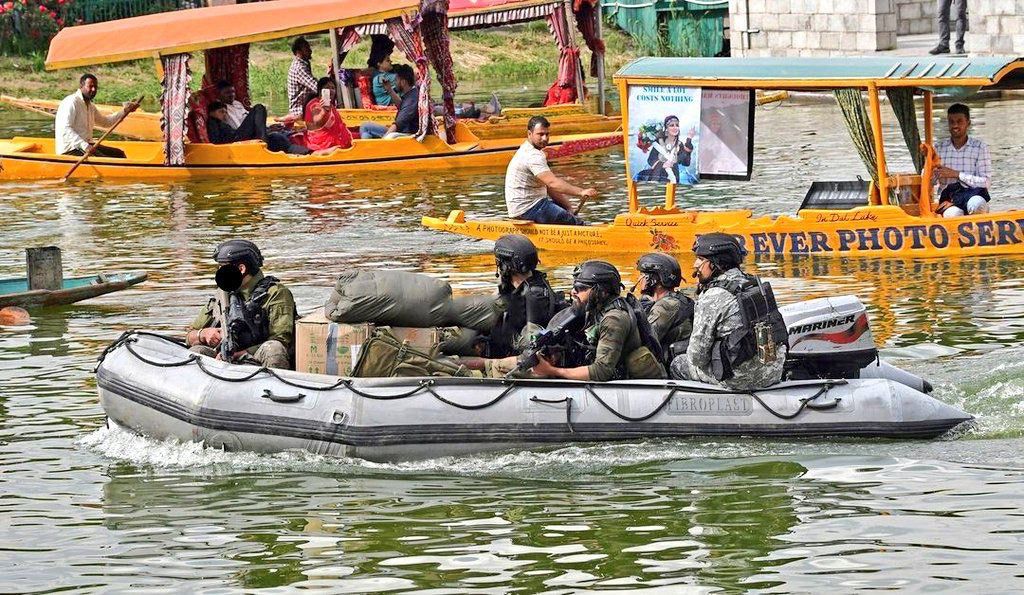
{"points": [[758, 310], [534, 302]]}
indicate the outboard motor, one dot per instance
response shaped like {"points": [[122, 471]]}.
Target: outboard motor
{"points": [[831, 338]]}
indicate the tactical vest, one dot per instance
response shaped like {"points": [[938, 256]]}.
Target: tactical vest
{"points": [[255, 314], [631, 306], [682, 314], [536, 302], [757, 306]]}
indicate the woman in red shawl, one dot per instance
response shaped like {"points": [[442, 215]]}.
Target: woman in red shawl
{"points": [[325, 130]]}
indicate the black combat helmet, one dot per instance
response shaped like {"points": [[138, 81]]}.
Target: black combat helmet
{"points": [[598, 273], [723, 250], [239, 252], [515, 253], [661, 268]]}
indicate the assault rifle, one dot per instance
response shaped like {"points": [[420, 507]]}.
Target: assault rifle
{"points": [[548, 339], [236, 329]]}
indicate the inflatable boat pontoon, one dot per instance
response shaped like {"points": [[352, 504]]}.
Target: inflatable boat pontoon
{"points": [[153, 385]]}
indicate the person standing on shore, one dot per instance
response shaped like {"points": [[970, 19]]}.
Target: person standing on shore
{"points": [[961, 26]]}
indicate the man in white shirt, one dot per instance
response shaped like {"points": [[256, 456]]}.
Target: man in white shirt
{"points": [[965, 169], [532, 192], [247, 124], [77, 115]]}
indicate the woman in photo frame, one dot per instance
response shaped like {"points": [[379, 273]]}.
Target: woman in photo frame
{"points": [[667, 153]]}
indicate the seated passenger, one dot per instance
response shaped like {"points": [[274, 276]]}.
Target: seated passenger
{"points": [[532, 192], [383, 81], [247, 124], [669, 312], [739, 339], [325, 129], [966, 167], [407, 120], [615, 348], [268, 306]]}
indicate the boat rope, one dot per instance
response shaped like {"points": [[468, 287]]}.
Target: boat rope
{"points": [[129, 337], [656, 411], [805, 403]]}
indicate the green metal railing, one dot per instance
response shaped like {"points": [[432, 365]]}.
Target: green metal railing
{"points": [[96, 11]]}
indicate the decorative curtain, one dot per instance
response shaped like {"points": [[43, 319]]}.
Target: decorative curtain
{"points": [[902, 102], [568, 52], [858, 124], [434, 28], [174, 106], [229, 64], [587, 13], [407, 39], [348, 37]]}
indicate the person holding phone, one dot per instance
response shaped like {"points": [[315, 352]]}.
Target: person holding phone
{"points": [[325, 129]]}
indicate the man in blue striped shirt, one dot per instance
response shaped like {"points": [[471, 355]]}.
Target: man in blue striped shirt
{"points": [[965, 170]]}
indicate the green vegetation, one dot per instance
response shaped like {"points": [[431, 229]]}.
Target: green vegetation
{"points": [[506, 54]]}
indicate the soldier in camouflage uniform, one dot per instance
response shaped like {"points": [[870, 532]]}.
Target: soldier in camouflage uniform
{"points": [[724, 347], [611, 335], [268, 304], [669, 311]]}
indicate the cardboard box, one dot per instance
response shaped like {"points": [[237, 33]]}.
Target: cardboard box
{"points": [[325, 347]]}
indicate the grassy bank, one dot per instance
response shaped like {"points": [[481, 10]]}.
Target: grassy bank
{"points": [[507, 54]]}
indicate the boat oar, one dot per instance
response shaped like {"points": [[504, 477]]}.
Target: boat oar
{"points": [[92, 148], [583, 201]]}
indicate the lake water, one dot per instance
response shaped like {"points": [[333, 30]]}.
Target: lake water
{"points": [[84, 508]]}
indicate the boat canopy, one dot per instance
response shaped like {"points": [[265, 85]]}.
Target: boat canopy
{"points": [[178, 32], [1001, 72], [479, 14]]}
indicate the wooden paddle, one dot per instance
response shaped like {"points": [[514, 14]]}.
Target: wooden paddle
{"points": [[583, 201], [92, 148]]}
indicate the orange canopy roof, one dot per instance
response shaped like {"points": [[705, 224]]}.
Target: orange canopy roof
{"points": [[196, 29]]}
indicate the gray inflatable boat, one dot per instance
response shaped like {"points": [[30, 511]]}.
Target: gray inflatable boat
{"points": [[154, 386]]}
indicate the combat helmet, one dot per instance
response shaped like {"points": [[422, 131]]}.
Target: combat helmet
{"points": [[723, 250], [239, 252], [515, 253], [661, 268]]}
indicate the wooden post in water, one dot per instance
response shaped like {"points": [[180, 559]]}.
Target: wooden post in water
{"points": [[45, 269]]}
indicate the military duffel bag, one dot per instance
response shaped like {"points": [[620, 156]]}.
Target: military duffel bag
{"points": [[384, 356]]}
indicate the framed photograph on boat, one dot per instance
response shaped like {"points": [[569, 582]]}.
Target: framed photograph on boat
{"points": [[664, 134], [726, 133]]}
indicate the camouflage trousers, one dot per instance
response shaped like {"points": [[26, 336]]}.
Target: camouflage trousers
{"points": [[270, 354]]}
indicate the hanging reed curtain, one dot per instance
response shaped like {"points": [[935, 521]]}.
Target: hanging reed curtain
{"points": [[859, 126], [902, 102]]}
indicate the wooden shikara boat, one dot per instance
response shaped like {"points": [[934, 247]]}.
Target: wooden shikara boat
{"points": [[15, 292], [171, 36], [566, 119], [893, 215]]}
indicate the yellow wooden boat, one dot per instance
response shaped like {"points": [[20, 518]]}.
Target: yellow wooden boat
{"points": [[24, 158], [567, 119], [169, 37], [892, 215]]}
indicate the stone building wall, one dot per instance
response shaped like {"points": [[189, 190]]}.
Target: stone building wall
{"points": [[996, 27], [812, 27], [915, 17]]}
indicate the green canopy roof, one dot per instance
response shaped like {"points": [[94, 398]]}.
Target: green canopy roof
{"points": [[835, 72]]}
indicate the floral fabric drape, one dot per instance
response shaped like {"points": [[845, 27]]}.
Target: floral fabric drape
{"points": [[434, 28], [407, 40], [174, 106], [587, 13]]}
